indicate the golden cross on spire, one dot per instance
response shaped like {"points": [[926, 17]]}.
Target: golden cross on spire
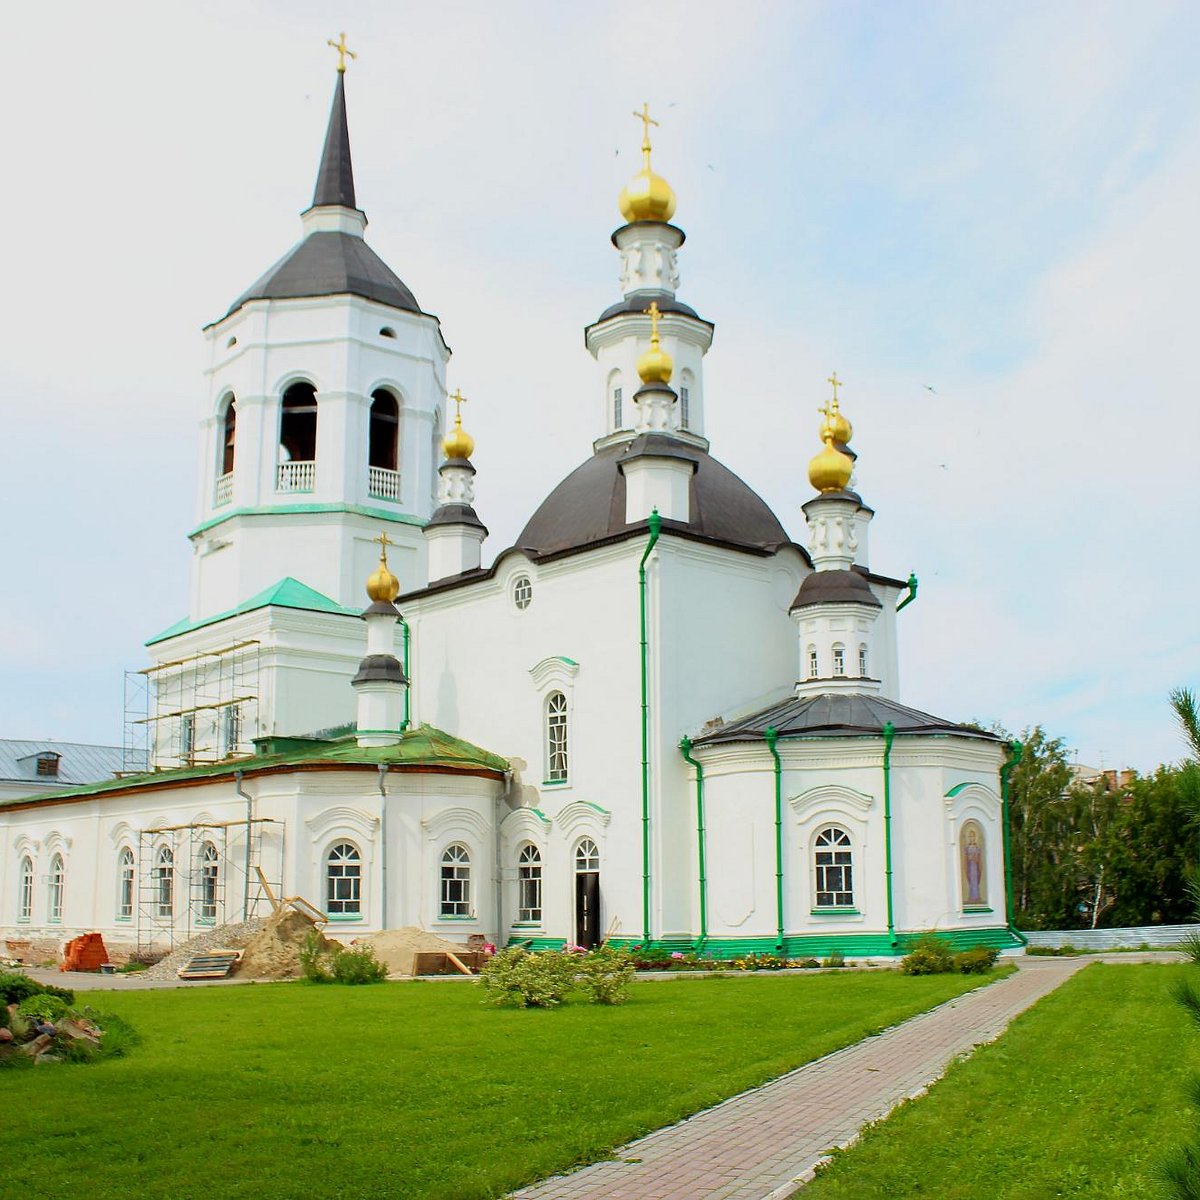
{"points": [[647, 120], [384, 542], [837, 383], [654, 314], [459, 400], [342, 49]]}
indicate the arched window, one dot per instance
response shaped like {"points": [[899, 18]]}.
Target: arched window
{"points": [[125, 881], [164, 882], [456, 881], [813, 667], [587, 856], [522, 592], [862, 659], [298, 439], [343, 880], [25, 890], [529, 884], [384, 439], [54, 907], [556, 737], [833, 863], [209, 869], [229, 436], [839, 659]]}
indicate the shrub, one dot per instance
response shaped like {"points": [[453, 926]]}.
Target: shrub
{"points": [[978, 960], [314, 958], [358, 964], [806, 964], [529, 980], [760, 962], [15, 987], [43, 1008], [606, 973], [836, 959], [930, 955]]}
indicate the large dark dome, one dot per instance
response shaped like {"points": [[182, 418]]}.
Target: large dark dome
{"points": [[589, 505]]}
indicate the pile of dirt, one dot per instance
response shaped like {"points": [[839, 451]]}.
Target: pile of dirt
{"points": [[396, 948], [223, 937], [274, 952]]}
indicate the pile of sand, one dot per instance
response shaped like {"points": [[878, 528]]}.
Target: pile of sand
{"points": [[396, 948], [274, 953]]}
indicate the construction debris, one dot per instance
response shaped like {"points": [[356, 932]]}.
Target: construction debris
{"points": [[397, 949], [214, 964]]}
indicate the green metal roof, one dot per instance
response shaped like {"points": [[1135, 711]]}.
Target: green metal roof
{"points": [[287, 593], [422, 749]]}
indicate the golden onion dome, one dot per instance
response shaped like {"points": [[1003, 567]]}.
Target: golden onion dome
{"points": [[830, 470], [655, 365], [382, 585], [647, 197], [458, 443], [837, 427]]}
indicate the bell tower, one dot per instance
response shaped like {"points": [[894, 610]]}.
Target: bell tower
{"points": [[323, 410]]}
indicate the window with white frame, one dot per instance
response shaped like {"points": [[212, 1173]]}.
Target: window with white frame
{"points": [[164, 882], [529, 884], [125, 879], [187, 736], [231, 728], [522, 592], [57, 881], [862, 659], [684, 407], [617, 413], [833, 864], [456, 881], [813, 666], [556, 738], [839, 659], [209, 870], [343, 881], [587, 856], [25, 890]]}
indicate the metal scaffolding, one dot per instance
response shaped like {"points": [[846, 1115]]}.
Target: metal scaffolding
{"points": [[199, 709], [197, 876]]}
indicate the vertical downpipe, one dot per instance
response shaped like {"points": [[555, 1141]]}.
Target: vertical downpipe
{"points": [[408, 676], [685, 748], [655, 525], [1014, 757], [383, 878], [238, 776], [889, 733], [772, 736]]}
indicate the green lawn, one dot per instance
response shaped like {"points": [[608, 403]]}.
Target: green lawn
{"points": [[1081, 1097], [410, 1089]]}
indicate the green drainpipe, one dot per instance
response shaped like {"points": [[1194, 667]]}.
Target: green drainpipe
{"points": [[655, 524], [685, 748], [889, 734], [772, 736], [1015, 752], [912, 592], [408, 689]]}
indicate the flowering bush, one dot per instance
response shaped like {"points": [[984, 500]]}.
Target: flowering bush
{"points": [[529, 980], [606, 973]]}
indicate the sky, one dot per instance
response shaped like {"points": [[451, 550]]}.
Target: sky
{"points": [[983, 217]]}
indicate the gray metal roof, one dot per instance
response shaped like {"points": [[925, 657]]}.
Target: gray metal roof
{"points": [[589, 505], [835, 587], [836, 714], [638, 303], [79, 762], [335, 176]]}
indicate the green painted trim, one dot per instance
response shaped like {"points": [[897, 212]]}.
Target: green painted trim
{"points": [[771, 734], [346, 917], [654, 524], [541, 816], [1015, 752], [889, 734], [122, 920], [452, 918], [912, 592], [536, 944], [685, 748], [272, 510], [555, 783], [206, 920], [958, 787], [835, 912], [396, 733], [976, 908]]}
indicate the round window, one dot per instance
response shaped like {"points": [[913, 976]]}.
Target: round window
{"points": [[522, 592]]}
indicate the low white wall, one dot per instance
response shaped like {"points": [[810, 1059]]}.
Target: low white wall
{"points": [[1110, 939]]}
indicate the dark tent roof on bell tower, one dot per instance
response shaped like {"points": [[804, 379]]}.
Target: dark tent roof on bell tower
{"points": [[335, 176], [332, 261]]}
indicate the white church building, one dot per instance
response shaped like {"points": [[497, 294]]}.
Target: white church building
{"points": [[656, 717]]}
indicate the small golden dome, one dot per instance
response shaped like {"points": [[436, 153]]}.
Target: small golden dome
{"points": [[382, 585], [830, 470], [837, 427], [647, 196], [655, 365], [458, 443]]}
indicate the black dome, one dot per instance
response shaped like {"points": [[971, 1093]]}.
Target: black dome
{"points": [[329, 263], [835, 587], [589, 505]]}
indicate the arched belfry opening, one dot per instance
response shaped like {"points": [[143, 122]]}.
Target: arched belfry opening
{"points": [[383, 446], [228, 425], [298, 439]]}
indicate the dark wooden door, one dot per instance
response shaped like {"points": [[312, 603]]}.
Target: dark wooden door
{"points": [[587, 908]]}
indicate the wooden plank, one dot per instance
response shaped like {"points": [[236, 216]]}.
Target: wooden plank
{"points": [[266, 887], [458, 962]]}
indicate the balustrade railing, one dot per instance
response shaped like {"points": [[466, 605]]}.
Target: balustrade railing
{"points": [[383, 484], [224, 489], [296, 477]]}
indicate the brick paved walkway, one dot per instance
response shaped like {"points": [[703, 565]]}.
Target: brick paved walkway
{"points": [[764, 1144]]}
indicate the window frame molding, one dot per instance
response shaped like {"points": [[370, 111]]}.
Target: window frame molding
{"points": [[556, 673], [362, 859]]}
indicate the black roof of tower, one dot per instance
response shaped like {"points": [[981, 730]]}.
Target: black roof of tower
{"points": [[335, 176]]}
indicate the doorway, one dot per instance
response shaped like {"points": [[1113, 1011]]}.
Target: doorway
{"points": [[587, 894]]}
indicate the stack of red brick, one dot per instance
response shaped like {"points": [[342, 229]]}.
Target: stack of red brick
{"points": [[84, 953]]}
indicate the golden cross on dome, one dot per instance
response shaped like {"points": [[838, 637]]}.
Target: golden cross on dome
{"points": [[342, 49], [654, 314], [837, 383], [647, 120], [459, 400], [384, 542]]}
